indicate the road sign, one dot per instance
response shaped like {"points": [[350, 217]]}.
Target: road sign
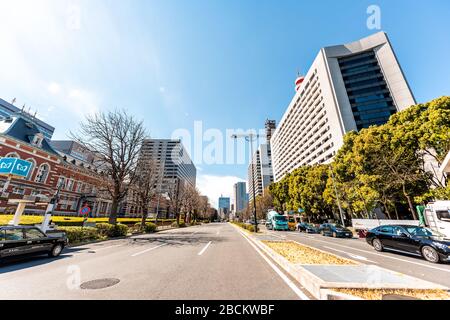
{"points": [[85, 210], [14, 166]]}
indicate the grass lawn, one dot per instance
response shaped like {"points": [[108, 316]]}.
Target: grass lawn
{"points": [[296, 253]]}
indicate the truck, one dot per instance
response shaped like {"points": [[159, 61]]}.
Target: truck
{"points": [[435, 216], [276, 221]]}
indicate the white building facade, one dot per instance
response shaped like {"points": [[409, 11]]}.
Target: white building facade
{"points": [[348, 88]]}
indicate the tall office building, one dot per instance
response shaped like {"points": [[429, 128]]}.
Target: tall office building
{"points": [[8, 110], [173, 161], [239, 197], [348, 87], [260, 172], [224, 207]]}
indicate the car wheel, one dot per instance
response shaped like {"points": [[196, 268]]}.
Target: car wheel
{"points": [[377, 245], [56, 251], [430, 254]]}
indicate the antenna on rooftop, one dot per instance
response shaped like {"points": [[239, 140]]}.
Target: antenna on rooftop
{"points": [[13, 101]]}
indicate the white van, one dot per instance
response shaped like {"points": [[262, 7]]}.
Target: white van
{"points": [[437, 216]]}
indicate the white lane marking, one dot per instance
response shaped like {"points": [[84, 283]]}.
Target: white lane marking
{"points": [[147, 250], [352, 255], [386, 256], [288, 281], [277, 235], [204, 248]]}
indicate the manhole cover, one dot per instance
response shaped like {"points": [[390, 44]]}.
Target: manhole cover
{"points": [[99, 284]]}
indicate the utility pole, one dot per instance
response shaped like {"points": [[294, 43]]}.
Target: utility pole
{"points": [[337, 198], [250, 138]]}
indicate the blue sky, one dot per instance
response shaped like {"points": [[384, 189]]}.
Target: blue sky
{"points": [[230, 64]]}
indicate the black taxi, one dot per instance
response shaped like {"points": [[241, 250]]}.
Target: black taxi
{"points": [[28, 240]]}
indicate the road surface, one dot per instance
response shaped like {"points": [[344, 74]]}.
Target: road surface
{"points": [[359, 250], [211, 261]]}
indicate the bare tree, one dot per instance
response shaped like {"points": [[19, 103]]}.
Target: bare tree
{"points": [[115, 137], [174, 194], [144, 188], [189, 202]]}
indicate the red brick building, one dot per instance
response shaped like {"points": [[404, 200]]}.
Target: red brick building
{"points": [[79, 180]]}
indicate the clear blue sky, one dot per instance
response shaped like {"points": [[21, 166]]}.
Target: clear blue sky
{"points": [[230, 64]]}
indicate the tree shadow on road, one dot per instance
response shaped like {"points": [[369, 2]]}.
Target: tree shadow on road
{"points": [[19, 263], [178, 240]]}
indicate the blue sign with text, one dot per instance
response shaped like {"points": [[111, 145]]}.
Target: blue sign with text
{"points": [[14, 166]]}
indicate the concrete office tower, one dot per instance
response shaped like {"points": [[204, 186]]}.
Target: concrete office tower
{"points": [[262, 172], [173, 160], [348, 87], [224, 207], [239, 197]]}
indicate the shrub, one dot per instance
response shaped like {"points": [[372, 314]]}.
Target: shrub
{"points": [[250, 228], [112, 231], [150, 227], [182, 225], [79, 234]]}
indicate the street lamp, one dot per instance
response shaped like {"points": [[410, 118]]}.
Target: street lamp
{"points": [[250, 138]]}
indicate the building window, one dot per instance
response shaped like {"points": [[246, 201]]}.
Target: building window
{"points": [[12, 155], [37, 139], [61, 181], [33, 165], [18, 191], [69, 185], [42, 173]]}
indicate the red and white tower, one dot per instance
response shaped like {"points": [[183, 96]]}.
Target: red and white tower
{"points": [[298, 82]]}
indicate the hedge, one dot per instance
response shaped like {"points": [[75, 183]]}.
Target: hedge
{"points": [[249, 227], [79, 234]]}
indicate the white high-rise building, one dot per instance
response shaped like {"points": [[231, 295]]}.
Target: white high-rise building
{"points": [[348, 87], [260, 172]]}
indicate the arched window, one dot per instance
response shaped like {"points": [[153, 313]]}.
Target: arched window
{"points": [[13, 155], [33, 165], [42, 173]]}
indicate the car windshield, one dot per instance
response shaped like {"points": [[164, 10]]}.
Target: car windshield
{"points": [[280, 218], [420, 231], [338, 226]]}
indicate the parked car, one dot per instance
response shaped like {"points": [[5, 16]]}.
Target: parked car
{"points": [[307, 227], [413, 240], [26, 241], [335, 230]]}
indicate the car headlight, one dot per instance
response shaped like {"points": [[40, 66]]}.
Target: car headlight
{"points": [[441, 245]]}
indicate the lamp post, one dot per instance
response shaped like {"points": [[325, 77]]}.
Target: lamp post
{"points": [[250, 138]]}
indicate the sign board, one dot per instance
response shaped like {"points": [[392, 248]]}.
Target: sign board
{"points": [[14, 166], [85, 210]]}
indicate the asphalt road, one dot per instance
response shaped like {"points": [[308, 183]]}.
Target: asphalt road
{"points": [[205, 262], [359, 250]]}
